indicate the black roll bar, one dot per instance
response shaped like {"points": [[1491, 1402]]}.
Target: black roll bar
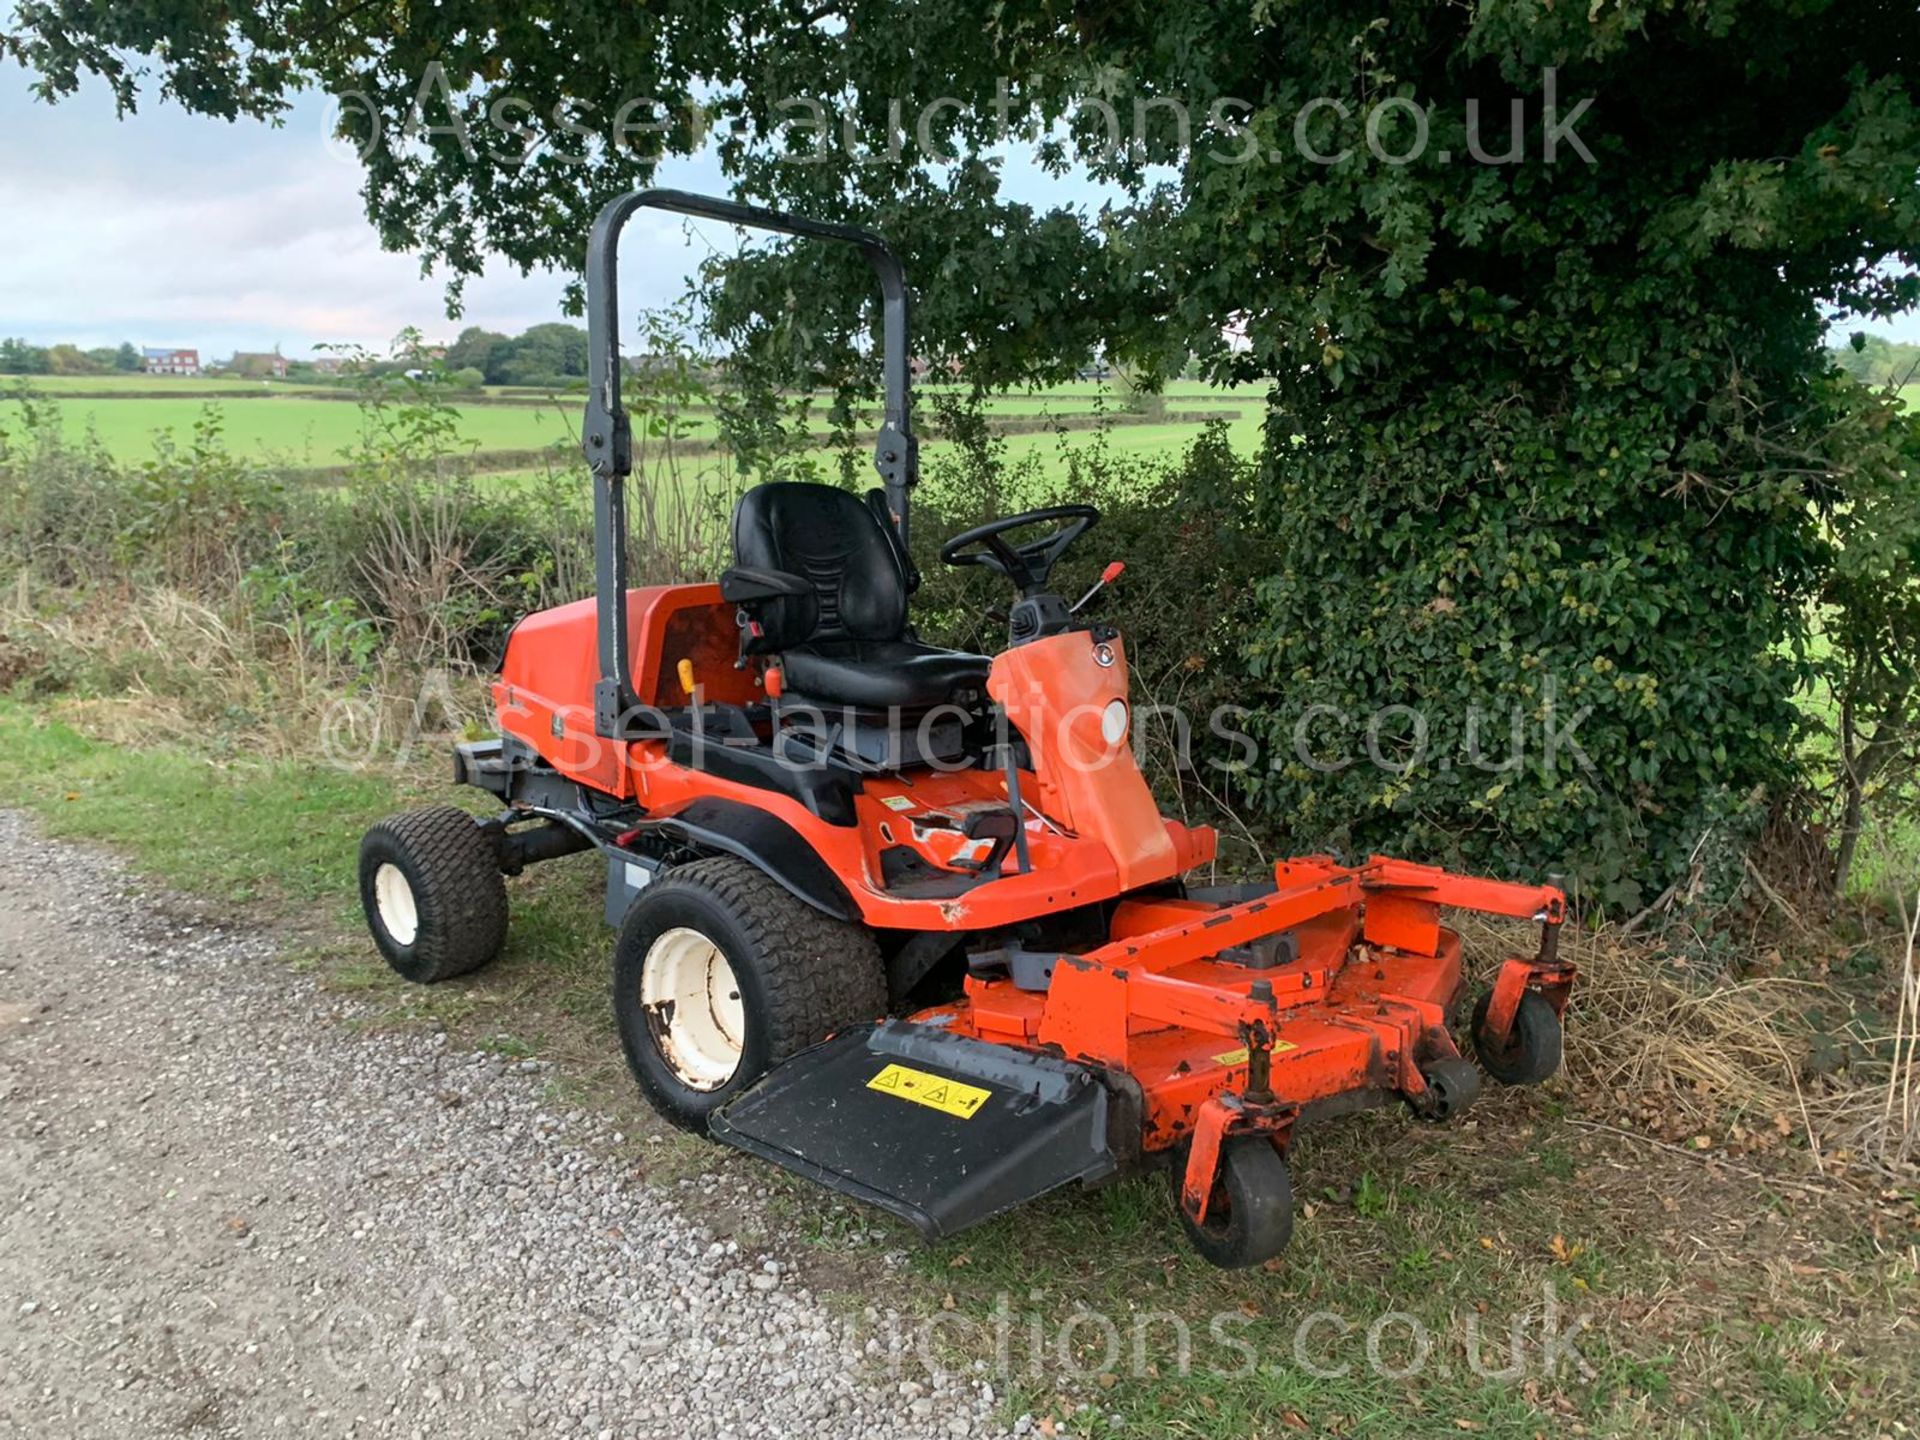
{"points": [[608, 437]]}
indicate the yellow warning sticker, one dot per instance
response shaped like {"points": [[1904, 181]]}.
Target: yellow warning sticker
{"points": [[936, 1092], [897, 802], [1239, 1057]]}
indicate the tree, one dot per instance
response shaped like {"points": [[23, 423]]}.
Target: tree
{"points": [[474, 349], [17, 357], [1541, 386], [126, 358], [544, 355], [70, 360], [1876, 360]]}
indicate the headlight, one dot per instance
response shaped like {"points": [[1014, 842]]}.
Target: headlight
{"points": [[1113, 722]]}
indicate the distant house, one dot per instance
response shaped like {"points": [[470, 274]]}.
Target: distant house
{"points": [[170, 362], [330, 364], [253, 366]]}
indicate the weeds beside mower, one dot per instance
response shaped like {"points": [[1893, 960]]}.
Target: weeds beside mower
{"points": [[907, 920]]}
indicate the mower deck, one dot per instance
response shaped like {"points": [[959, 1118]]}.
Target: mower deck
{"points": [[1200, 1020]]}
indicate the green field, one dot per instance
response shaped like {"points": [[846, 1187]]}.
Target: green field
{"points": [[184, 386], [1048, 449], [315, 427], [288, 429]]}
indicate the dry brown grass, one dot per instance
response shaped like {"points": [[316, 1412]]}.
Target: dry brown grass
{"points": [[157, 667], [1732, 1065], [1893, 1136]]}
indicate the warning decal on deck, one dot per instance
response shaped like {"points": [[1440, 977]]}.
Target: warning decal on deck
{"points": [[936, 1092], [1239, 1057]]}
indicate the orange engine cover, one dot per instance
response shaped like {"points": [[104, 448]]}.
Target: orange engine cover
{"points": [[544, 695]]}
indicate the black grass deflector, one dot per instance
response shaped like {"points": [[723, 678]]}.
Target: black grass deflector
{"points": [[942, 1131]]}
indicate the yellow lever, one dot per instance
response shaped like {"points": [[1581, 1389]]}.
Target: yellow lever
{"points": [[686, 675]]}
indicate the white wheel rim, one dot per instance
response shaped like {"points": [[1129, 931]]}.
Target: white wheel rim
{"points": [[694, 1008], [393, 898]]}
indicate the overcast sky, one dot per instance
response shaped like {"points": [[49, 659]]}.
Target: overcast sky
{"points": [[170, 229]]}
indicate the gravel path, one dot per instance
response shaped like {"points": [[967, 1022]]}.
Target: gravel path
{"points": [[223, 1213]]}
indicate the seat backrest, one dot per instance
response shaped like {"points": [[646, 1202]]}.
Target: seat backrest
{"points": [[829, 538]]}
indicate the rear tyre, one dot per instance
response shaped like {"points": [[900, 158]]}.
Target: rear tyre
{"points": [[1531, 1051], [719, 975], [436, 902], [1250, 1213]]}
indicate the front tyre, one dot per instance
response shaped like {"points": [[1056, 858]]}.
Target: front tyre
{"points": [[436, 902], [719, 975]]}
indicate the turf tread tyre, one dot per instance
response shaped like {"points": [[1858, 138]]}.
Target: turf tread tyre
{"points": [[1532, 1052], [453, 870], [805, 974]]}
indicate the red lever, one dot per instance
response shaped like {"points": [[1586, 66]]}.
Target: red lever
{"points": [[1107, 576]]}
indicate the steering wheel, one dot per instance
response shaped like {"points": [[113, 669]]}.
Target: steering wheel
{"points": [[1028, 565]]}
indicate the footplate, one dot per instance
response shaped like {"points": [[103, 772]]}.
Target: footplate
{"points": [[941, 1130]]}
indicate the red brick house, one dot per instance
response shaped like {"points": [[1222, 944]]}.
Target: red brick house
{"points": [[170, 362]]}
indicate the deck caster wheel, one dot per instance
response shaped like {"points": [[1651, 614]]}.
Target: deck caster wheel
{"points": [[1452, 1085], [430, 883], [719, 975], [1250, 1213], [1531, 1050]]}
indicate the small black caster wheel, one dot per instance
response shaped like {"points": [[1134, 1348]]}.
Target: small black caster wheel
{"points": [[1250, 1213], [1452, 1085], [1531, 1051]]}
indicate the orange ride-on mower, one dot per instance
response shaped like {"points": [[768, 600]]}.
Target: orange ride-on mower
{"points": [[905, 920]]}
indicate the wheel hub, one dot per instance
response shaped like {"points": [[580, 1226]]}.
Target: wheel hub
{"points": [[692, 1000], [393, 898]]}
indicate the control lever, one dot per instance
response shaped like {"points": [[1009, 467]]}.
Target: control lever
{"points": [[1107, 576]]}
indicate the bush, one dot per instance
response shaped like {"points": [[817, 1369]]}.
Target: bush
{"points": [[1182, 605], [1530, 635]]}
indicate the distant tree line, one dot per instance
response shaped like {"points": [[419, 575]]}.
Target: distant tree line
{"points": [[17, 357], [552, 354], [1876, 360]]}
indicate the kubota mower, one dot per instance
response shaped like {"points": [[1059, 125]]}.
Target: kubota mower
{"points": [[907, 920]]}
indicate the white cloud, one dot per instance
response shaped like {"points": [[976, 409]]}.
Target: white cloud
{"points": [[167, 229]]}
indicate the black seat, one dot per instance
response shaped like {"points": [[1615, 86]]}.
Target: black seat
{"points": [[845, 644]]}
